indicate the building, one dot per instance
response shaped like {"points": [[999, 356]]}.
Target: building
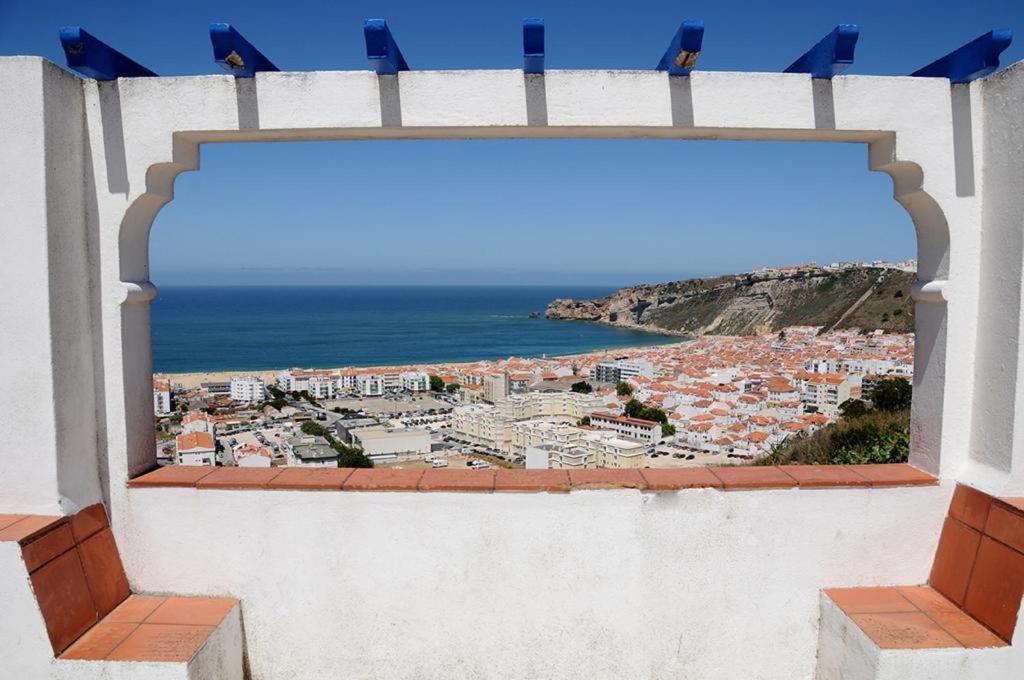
{"points": [[415, 381], [586, 450], [321, 387], [623, 369], [163, 402], [496, 387], [195, 448], [247, 389], [218, 388], [370, 385], [310, 451], [490, 425], [648, 431], [197, 421], [824, 392], [380, 443]]}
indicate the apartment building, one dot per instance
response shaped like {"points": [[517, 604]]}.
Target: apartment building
{"points": [[163, 402], [533, 433], [247, 389], [321, 386], [623, 369], [592, 449], [648, 431], [415, 381], [824, 392], [496, 387], [386, 443]]}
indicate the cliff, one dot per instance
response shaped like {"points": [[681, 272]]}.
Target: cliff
{"points": [[746, 304]]}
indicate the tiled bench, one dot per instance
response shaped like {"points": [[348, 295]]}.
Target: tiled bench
{"points": [[95, 625], [962, 621]]}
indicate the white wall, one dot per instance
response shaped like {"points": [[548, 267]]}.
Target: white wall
{"points": [[592, 584]]}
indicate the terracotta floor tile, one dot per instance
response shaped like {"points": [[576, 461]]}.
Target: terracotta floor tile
{"points": [[45, 547], [904, 630], [103, 571], [157, 642], [383, 479], [198, 611], [443, 479], [966, 630], [997, 584], [954, 558], [99, 641], [670, 479], [29, 527], [238, 478], [87, 522], [824, 476], [926, 598], [64, 599], [606, 478], [7, 520], [1017, 503], [135, 609], [753, 477], [313, 479], [172, 475], [531, 480], [970, 506], [896, 474], [870, 600], [1007, 526]]}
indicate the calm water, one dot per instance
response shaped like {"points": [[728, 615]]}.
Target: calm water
{"points": [[226, 328]]}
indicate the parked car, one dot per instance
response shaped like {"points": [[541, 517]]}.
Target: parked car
{"points": [[439, 463], [479, 465]]}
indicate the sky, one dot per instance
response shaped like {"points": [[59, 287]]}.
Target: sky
{"points": [[603, 212]]}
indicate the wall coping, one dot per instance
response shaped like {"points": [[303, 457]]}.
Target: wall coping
{"points": [[536, 481]]}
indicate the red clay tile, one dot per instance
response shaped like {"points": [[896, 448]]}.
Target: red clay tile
{"points": [[870, 600], [670, 479], [99, 641], [970, 506], [135, 609], [30, 527], [753, 477], [1016, 503], [312, 479], [966, 630], [606, 478], [904, 630], [7, 520], [383, 479], [103, 571], [154, 642], [44, 548], [457, 480], [64, 599], [997, 584], [824, 476], [1007, 526], [238, 478], [172, 475], [894, 474], [926, 598], [194, 611], [87, 522], [531, 480], [954, 558]]}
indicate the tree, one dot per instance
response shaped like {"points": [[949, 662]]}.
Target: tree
{"points": [[582, 387], [316, 429], [852, 408], [636, 409], [891, 395], [623, 389], [436, 384], [585, 420], [452, 388], [668, 430]]}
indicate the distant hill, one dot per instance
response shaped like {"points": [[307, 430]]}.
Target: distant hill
{"points": [[867, 298]]}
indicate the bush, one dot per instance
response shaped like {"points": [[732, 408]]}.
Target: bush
{"points": [[452, 388], [585, 420], [891, 394], [316, 429], [874, 437], [436, 384], [583, 387], [636, 409], [623, 389]]}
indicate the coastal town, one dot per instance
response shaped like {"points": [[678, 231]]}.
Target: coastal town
{"points": [[710, 401]]}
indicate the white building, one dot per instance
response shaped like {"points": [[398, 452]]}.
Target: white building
{"points": [[370, 385], [247, 389], [162, 401], [415, 381], [196, 448], [383, 442], [648, 431], [321, 387], [623, 369], [197, 421]]}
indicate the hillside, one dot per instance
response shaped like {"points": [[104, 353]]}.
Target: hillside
{"points": [[746, 304]]}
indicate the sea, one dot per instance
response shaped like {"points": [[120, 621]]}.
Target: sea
{"points": [[222, 328]]}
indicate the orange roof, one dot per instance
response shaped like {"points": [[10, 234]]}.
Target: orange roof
{"points": [[194, 440]]}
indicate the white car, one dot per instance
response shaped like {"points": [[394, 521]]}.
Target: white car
{"points": [[438, 463], [479, 465]]}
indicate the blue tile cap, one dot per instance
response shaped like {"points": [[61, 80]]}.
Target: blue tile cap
{"points": [[237, 55], [381, 49], [831, 56], [681, 55], [533, 46], [93, 58], [974, 60]]}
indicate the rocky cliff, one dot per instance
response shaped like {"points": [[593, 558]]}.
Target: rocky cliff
{"points": [[865, 298]]}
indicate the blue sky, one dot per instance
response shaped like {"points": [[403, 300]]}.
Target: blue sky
{"points": [[531, 212]]}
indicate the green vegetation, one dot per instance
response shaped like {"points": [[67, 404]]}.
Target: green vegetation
{"points": [[452, 388], [348, 456], [668, 430], [583, 387], [877, 434], [275, 392], [636, 409], [585, 420], [436, 384], [623, 389]]}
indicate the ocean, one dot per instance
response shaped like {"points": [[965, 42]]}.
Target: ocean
{"points": [[205, 328]]}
